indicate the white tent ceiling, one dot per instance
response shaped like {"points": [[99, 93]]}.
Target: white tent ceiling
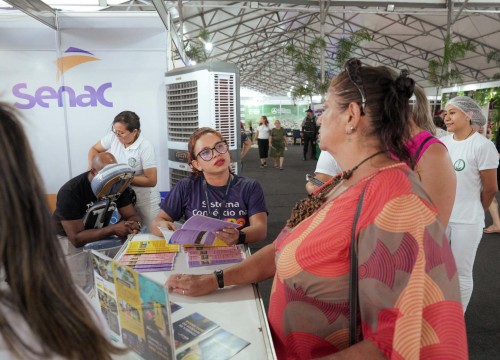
{"points": [[253, 34]]}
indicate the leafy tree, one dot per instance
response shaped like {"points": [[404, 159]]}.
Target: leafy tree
{"points": [[306, 62], [306, 65], [346, 46], [441, 71], [195, 48], [495, 57]]}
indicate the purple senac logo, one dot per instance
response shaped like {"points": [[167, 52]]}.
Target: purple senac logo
{"points": [[45, 96]]}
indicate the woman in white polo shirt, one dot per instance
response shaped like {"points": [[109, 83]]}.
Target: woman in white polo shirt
{"points": [[130, 147]]}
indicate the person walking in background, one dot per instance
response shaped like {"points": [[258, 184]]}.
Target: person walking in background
{"points": [[309, 132], [246, 143], [129, 146], [277, 141], [43, 314], [262, 135], [475, 160]]}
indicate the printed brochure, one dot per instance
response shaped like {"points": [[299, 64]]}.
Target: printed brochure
{"points": [[136, 308], [198, 230], [219, 345]]}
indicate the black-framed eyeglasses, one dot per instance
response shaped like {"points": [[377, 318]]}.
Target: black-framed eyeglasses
{"points": [[207, 154], [353, 69]]}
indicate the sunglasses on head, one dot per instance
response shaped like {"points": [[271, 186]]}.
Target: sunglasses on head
{"points": [[353, 69]]}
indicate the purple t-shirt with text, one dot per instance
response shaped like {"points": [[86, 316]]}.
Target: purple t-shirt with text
{"points": [[244, 199]]}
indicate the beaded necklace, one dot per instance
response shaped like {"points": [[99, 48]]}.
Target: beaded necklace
{"points": [[307, 206]]}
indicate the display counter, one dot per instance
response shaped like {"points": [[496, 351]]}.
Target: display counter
{"points": [[238, 310]]}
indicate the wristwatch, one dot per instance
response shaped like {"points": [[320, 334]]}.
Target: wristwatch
{"points": [[242, 239], [220, 278]]}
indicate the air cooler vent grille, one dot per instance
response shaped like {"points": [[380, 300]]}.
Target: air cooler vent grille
{"points": [[224, 106], [176, 175], [182, 110]]}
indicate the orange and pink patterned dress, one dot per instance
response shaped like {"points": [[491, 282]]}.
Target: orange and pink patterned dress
{"points": [[409, 299]]}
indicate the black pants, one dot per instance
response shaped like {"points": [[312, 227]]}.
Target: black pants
{"points": [[263, 148], [310, 138]]}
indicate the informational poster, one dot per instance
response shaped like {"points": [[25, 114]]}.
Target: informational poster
{"points": [[136, 308]]}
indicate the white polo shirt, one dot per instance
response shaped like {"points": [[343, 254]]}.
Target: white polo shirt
{"points": [[139, 156]]}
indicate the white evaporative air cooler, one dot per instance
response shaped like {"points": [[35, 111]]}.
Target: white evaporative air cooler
{"points": [[198, 96]]}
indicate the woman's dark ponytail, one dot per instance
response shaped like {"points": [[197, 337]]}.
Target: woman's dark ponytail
{"points": [[396, 111]]}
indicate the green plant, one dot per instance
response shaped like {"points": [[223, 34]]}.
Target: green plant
{"points": [[496, 101], [484, 96], [444, 99], [346, 46], [495, 57], [195, 49], [306, 63], [441, 72]]}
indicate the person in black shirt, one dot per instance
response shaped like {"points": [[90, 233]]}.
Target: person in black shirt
{"points": [[73, 200], [309, 131], [76, 196]]}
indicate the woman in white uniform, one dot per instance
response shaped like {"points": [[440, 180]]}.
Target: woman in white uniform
{"points": [[475, 160], [130, 147]]}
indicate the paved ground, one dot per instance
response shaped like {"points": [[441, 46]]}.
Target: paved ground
{"points": [[282, 190]]}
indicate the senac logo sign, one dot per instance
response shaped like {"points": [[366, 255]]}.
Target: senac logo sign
{"points": [[47, 96]]}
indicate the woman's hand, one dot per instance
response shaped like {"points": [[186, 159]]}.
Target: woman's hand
{"points": [[192, 285], [229, 235], [167, 224]]}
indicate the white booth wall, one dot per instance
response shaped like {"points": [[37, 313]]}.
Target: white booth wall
{"points": [[124, 54]]}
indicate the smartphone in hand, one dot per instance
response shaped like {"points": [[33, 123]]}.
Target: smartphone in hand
{"points": [[310, 178]]}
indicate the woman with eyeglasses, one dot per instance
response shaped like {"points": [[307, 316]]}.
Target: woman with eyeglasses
{"points": [[214, 191], [363, 269], [130, 147]]}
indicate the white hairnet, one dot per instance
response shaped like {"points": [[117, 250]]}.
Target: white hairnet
{"points": [[470, 108]]}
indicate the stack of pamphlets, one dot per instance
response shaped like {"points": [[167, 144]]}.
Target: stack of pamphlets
{"points": [[149, 255], [207, 255], [197, 337], [198, 235]]}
